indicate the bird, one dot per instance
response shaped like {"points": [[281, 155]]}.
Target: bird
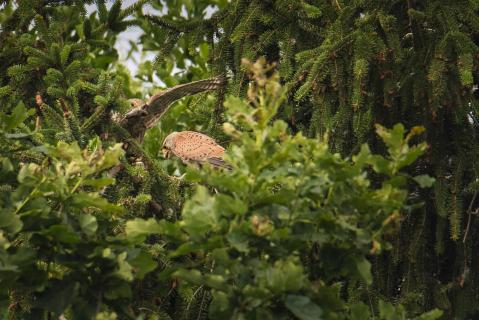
{"points": [[194, 147], [144, 115]]}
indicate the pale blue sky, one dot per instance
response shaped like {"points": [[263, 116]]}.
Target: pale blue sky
{"points": [[133, 34]]}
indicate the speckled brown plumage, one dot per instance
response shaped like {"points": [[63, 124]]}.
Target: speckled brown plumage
{"points": [[194, 147], [143, 115]]}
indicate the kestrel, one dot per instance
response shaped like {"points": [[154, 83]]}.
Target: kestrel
{"points": [[194, 147], [145, 115]]}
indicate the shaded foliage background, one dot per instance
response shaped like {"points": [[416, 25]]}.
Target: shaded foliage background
{"points": [[345, 65], [350, 64]]}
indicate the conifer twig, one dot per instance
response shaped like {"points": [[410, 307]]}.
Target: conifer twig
{"points": [[463, 276], [337, 4], [469, 213], [156, 206], [39, 102], [66, 111]]}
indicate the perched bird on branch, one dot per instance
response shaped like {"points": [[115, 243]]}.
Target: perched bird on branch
{"points": [[194, 147], [145, 115]]}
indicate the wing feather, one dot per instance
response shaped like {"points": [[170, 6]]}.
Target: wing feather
{"points": [[219, 163], [160, 102]]}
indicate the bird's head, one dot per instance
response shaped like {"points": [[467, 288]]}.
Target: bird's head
{"points": [[138, 110], [168, 145], [136, 103]]}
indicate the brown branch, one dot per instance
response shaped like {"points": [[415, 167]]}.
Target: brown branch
{"points": [[469, 212], [156, 206]]}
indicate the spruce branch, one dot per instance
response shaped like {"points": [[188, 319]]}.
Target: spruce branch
{"points": [[469, 216], [132, 145], [95, 118], [184, 26], [72, 123]]}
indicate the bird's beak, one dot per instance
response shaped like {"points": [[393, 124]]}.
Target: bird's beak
{"points": [[166, 153]]}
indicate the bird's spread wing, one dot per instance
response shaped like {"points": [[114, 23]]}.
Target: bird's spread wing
{"points": [[159, 103], [196, 146]]}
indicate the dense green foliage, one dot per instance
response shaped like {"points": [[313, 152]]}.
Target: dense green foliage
{"points": [[292, 224], [350, 64], [310, 224]]}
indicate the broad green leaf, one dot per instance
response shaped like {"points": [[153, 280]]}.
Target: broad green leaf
{"points": [[360, 311], [61, 233], [186, 248], [431, 315], [239, 240], [111, 157], [216, 282], [220, 305], [94, 144], [7, 165], [57, 296], [192, 276], [416, 130], [17, 135], [9, 221], [388, 311], [392, 138], [229, 205], [412, 155], [85, 200], [99, 183], [424, 180], [4, 243], [105, 315], [380, 164], [121, 290], [124, 271], [363, 157], [17, 116], [142, 264], [364, 269], [199, 214], [29, 174], [88, 224], [284, 276], [140, 227], [303, 308], [204, 51]]}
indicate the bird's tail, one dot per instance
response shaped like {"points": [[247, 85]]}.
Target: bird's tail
{"points": [[220, 163]]}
